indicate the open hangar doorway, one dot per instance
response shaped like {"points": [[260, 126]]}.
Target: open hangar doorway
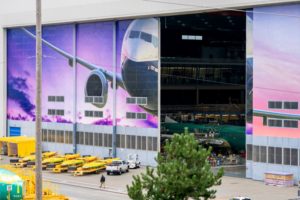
{"points": [[203, 81]]}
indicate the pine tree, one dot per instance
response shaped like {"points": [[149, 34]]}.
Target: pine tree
{"points": [[182, 172]]}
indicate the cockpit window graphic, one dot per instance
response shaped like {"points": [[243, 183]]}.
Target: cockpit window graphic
{"points": [[144, 36]]}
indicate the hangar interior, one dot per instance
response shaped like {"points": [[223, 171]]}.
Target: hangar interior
{"points": [[203, 81]]}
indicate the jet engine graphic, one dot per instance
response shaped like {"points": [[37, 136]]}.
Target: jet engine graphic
{"points": [[139, 63], [96, 86]]}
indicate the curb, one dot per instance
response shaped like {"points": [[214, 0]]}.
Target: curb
{"points": [[88, 187]]}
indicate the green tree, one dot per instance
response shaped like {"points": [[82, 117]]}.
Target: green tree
{"points": [[182, 172]]}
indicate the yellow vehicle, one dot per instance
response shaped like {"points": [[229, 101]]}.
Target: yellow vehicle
{"points": [[72, 165], [30, 160], [94, 167], [51, 163]]}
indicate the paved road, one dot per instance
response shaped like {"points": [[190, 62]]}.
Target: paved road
{"points": [[77, 193]]}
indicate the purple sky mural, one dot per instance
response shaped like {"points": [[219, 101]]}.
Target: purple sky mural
{"points": [[94, 43]]}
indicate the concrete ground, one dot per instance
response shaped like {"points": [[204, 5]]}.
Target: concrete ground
{"points": [[87, 187]]}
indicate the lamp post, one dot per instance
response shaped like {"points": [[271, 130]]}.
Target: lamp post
{"points": [[38, 117]]}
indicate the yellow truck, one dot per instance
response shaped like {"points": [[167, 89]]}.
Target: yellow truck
{"points": [[51, 163], [72, 165], [94, 167]]}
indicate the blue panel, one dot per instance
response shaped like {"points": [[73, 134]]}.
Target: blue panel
{"points": [[14, 131]]}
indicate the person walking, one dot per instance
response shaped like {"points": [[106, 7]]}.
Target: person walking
{"points": [[102, 181]]}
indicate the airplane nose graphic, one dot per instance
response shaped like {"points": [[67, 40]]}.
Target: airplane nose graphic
{"points": [[141, 81]]}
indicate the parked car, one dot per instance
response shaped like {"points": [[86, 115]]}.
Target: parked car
{"points": [[240, 198], [117, 167], [133, 161]]}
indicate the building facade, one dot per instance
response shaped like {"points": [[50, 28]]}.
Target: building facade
{"points": [[101, 69]]}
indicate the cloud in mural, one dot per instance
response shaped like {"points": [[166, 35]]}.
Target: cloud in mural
{"points": [[17, 88]]}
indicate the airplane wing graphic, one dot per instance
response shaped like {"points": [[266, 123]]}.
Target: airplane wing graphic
{"points": [[279, 115], [108, 74]]}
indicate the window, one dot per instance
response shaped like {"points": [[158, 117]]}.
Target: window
{"points": [[81, 137], [105, 143], [51, 135], [109, 140], [56, 98], [101, 139], [275, 122], [275, 104], [139, 142], [290, 105], [141, 115], [88, 113], [141, 100], [263, 154], [60, 136], [96, 139], [134, 34], [59, 98], [133, 142], [144, 144], [98, 114], [60, 112], [278, 155], [44, 135], [287, 156], [122, 141], [271, 153], [249, 151], [130, 115], [154, 143], [128, 141], [131, 100], [51, 112], [294, 157], [290, 124], [118, 141], [51, 98], [98, 99], [90, 139], [88, 99], [150, 143], [255, 153], [146, 37], [68, 137]]}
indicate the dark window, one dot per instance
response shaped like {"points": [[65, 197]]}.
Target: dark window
{"points": [[98, 114], [60, 98], [44, 135], [290, 123], [146, 36], [118, 140], [51, 98], [154, 143], [89, 99], [255, 153], [122, 141], [249, 151], [278, 155], [275, 122], [271, 153], [134, 34], [130, 100], [294, 157], [287, 156], [290, 105], [144, 144], [127, 141], [263, 154], [132, 142], [141, 115], [139, 142], [275, 104]]}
